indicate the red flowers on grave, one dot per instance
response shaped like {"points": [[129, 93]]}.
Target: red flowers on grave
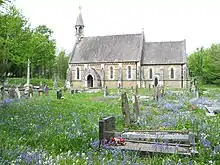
{"points": [[118, 141], [192, 107]]}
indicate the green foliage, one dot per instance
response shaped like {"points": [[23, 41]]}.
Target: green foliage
{"points": [[19, 42], [62, 64], [35, 81], [204, 65]]}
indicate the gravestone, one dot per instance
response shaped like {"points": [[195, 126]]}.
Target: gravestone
{"points": [[12, 93], [136, 108], [106, 128], [18, 92], [31, 92], [125, 109], [59, 94], [106, 91], [46, 90]]}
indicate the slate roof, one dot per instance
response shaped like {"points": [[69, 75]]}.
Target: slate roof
{"points": [[164, 52], [112, 48]]}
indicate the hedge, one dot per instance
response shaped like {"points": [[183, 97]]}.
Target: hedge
{"points": [[35, 81]]}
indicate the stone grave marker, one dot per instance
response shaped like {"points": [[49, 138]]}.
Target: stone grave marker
{"points": [[125, 109], [136, 108], [12, 93], [46, 90], [106, 91], [18, 92], [106, 128]]}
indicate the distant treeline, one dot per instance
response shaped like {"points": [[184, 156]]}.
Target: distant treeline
{"points": [[204, 65]]}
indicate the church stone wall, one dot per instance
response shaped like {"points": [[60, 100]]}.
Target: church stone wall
{"points": [[165, 73], [162, 70]]}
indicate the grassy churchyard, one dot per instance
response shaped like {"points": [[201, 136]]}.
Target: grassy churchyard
{"points": [[47, 130]]}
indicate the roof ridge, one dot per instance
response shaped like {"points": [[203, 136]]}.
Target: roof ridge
{"points": [[164, 41], [114, 35]]}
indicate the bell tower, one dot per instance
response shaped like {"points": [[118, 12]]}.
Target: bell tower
{"points": [[79, 26]]}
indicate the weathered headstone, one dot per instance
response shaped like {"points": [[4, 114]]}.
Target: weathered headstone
{"points": [[106, 91], [106, 128], [125, 109], [46, 90], [31, 92], [136, 107], [59, 94], [18, 92], [12, 93]]}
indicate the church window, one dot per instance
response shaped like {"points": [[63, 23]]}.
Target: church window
{"points": [[129, 72], [77, 73], [171, 73], [150, 73], [111, 74]]}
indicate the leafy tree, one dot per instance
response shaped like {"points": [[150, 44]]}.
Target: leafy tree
{"points": [[19, 42], [62, 64], [204, 65]]}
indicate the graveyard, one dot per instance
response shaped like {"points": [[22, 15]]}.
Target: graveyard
{"points": [[47, 129], [114, 95]]}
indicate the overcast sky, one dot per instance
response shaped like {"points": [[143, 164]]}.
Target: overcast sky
{"points": [[197, 21]]}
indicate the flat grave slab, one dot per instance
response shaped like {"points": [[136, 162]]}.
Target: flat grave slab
{"points": [[168, 141]]}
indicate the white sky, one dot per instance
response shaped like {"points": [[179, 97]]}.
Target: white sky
{"points": [[197, 21]]}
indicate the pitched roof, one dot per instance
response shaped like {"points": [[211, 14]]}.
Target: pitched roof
{"points": [[79, 21], [164, 52], [112, 48]]}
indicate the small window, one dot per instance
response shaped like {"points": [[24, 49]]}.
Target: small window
{"points": [[150, 73], [171, 73], [129, 72], [111, 72], [77, 73]]}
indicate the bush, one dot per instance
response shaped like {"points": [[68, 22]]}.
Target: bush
{"points": [[34, 81]]}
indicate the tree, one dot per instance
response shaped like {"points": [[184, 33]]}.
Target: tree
{"points": [[62, 64], [19, 42], [204, 65]]}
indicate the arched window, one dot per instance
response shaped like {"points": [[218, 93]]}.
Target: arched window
{"points": [[111, 72], [77, 73], [150, 73], [129, 72], [171, 73]]}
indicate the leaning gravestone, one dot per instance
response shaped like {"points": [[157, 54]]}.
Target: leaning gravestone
{"points": [[136, 108], [125, 109]]}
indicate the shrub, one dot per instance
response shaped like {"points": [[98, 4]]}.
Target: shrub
{"points": [[34, 81]]}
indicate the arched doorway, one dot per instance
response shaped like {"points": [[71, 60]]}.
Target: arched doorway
{"points": [[89, 81], [155, 81]]}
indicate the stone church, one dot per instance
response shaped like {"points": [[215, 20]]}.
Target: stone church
{"points": [[125, 60]]}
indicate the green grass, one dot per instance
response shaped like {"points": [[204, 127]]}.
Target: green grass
{"points": [[44, 129]]}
